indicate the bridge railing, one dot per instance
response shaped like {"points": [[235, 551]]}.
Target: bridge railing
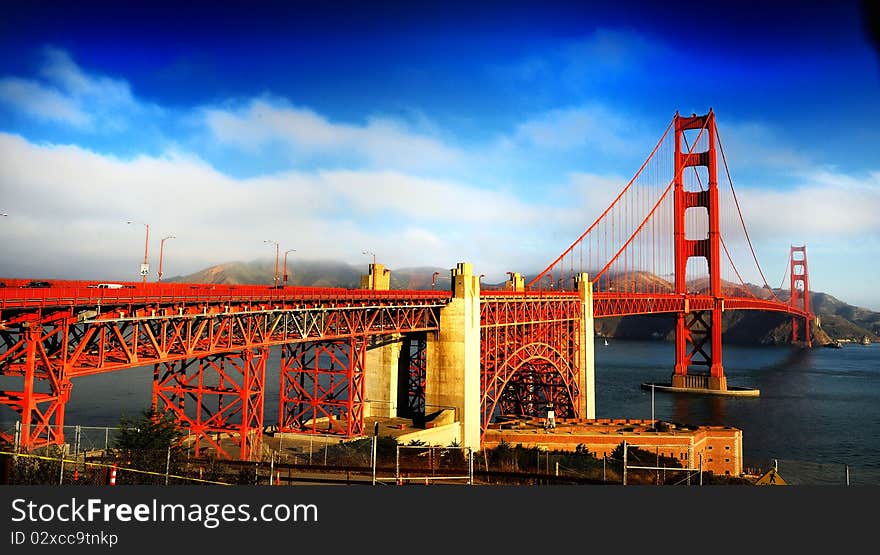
{"points": [[537, 294], [72, 293]]}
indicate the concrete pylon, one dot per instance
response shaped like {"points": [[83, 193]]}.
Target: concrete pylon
{"points": [[515, 282], [377, 278], [586, 351], [381, 373], [453, 356], [382, 356]]}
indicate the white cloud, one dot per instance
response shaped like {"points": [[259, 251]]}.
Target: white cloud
{"points": [[41, 102], [70, 96], [574, 128], [825, 206], [759, 144], [70, 204], [382, 142]]}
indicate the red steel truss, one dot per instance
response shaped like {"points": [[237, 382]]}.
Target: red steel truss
{"points": [[322, 387], [54, 335], [216, 397], [529, 354]]}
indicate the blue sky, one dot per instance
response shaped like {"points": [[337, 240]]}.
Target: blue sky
{"points": [[429, 134]]}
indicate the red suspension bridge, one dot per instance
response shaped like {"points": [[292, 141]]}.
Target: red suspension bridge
{"points": [[668, 243]]}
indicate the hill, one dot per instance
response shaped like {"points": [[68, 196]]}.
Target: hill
{"points": [[310, 273], [837, 319]]}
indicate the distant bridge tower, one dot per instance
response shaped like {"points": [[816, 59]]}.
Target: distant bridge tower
{"points": [[800, 293], [695, 330]]}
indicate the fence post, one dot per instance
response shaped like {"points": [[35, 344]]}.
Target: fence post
{"points": [[271, 466], [374, 459], [470, 466], [167, 464], [701, 469], [17, 436], [61, 474], [624, 462], [106, 439], [846, 466], [397, 466]]}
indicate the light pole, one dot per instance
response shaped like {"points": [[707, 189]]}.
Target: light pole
{"points": [[285, 265], [276, 258], [145, 268], [373, 272], [161, 249]]}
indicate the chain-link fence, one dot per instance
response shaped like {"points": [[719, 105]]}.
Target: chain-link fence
{"points": [[812, 473], [90, 454]]}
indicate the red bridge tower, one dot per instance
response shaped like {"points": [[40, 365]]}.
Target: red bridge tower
{"points": [[697, 330], [800, 291]]}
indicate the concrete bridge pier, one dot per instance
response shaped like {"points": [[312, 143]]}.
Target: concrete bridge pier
{"points": [[453, 356], [586, 407], [382, 379], [383, 356]]}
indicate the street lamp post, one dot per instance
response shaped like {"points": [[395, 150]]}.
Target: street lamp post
{"points": [[161, 249], [145, 268], [285, 265], [373, 272], [276, 259]]}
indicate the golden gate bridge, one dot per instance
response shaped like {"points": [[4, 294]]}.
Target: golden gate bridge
{"points": [[347, 354]]}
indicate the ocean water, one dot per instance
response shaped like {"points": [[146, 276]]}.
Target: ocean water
{"points": [[816, 417], [817, 414]]}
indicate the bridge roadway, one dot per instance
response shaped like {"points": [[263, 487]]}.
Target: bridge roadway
{"points": [[78, 294], [142, 324], [526, 348]]}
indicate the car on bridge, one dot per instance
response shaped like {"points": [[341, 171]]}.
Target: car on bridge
{"points": [[37, 284], [106, 286]]}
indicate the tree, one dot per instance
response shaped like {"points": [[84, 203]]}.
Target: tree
{"points": [[151, 442], [149, 431]]}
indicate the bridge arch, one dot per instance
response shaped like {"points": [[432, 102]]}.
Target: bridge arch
{"points": [[529, 378]]}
